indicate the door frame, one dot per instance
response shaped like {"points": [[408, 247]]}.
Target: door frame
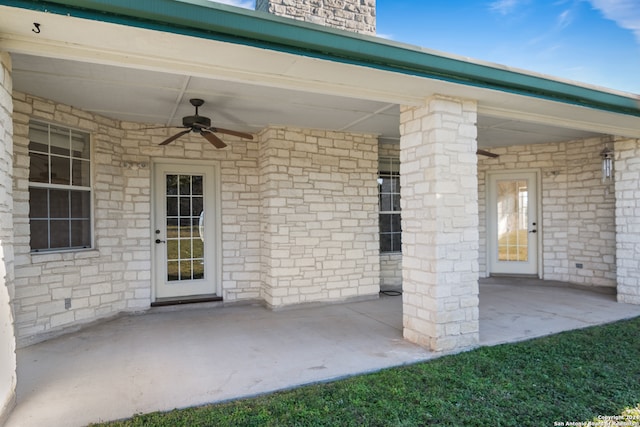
{"points": [[489, 227], [215, 258]]}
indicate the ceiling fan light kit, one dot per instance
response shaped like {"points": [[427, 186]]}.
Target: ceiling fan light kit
{"points": [[202, 125]]}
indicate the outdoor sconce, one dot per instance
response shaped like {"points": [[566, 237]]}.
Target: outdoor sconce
{"points": [[607, 164]]}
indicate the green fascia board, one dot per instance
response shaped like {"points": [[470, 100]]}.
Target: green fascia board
{"points": [[204, 19]]}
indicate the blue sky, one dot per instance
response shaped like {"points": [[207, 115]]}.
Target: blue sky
{"points": [[590, 41]]}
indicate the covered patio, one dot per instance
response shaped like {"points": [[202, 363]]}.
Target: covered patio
{"points": [[109, 169], [191, 355]]}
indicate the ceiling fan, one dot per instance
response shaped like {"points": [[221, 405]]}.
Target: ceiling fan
{"points": [[202, 125]]}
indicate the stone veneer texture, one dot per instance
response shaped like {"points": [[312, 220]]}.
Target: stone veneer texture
{"points": [[627, 191], [320, 204], [7, 335], [322, 187], [439, 191], [578, 220], [353, 15]]}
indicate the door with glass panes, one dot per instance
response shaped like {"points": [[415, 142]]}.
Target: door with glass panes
{"points": [[185, 231], [513, 223]]}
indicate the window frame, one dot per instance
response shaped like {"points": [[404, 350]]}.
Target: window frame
{"points": [[87, 186], [389, 168]]}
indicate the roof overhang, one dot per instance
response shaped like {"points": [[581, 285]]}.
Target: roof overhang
{"points": [[212, 41]]}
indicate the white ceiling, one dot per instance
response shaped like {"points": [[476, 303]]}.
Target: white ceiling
{"points": [[144, 76], [154, 97], [162, 98]]}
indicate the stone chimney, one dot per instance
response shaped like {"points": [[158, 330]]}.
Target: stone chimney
{"points": [[353, 15]]}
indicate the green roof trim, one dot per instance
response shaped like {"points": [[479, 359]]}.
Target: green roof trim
{"points": [[204, 19]]}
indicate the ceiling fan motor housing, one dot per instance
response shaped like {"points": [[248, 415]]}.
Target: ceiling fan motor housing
{"points": [[192, 121]]}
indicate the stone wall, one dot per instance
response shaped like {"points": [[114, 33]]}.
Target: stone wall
{"points": [[298, 214], [627, 190], [319, 208], [7, 335], [578, 223], [352, 15], [94, 281], [116, 275]]}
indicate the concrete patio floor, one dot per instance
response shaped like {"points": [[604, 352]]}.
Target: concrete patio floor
{"points": [[193, 355]]}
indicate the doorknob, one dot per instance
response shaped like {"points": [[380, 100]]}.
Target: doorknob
{"points": [[158, 240], [530, 231]]}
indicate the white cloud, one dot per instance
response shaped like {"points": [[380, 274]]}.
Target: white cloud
{"points": [[247, 4], [565, 19], [503, 7], [625, 13]]}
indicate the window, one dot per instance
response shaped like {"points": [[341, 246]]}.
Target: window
{"points": [[59, 188], [389, 201]]}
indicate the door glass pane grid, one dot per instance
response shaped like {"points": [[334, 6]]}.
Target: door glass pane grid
{"points": [[513, 220], [185, 248]]}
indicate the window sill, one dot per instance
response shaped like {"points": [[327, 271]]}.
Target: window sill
{"points": [[63, 255]]}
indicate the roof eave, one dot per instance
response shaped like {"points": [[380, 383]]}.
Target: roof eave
{"points": [[219, 22]]}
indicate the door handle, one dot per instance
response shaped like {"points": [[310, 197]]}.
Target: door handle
{"points": [[160, 241], [530, 231]]}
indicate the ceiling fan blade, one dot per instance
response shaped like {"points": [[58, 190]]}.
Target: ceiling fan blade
{"points": [[174, 137], [214, 140], [231, 132], [487, 153]]}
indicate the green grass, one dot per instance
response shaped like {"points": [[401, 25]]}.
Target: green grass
{"points": [[574, 376]]}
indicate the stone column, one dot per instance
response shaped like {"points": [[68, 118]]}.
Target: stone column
{"points": [[439, 196], [627, 184], [7, 335]]}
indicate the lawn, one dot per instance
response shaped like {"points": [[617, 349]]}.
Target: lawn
{"points": [[566, 379]]}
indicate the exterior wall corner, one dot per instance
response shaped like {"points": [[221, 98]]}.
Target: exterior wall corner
{"points": [[8, 362], [319, 216]]}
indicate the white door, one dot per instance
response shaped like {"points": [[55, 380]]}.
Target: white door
{"points": [[513, 223], [185, 231]]}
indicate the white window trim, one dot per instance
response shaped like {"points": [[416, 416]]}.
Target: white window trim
{"points": [[48, 186], [392, 161]]}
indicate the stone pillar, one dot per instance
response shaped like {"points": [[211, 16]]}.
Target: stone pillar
{"points": [[352, 15], [627, 185], [439, 196], [7, 335]]}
